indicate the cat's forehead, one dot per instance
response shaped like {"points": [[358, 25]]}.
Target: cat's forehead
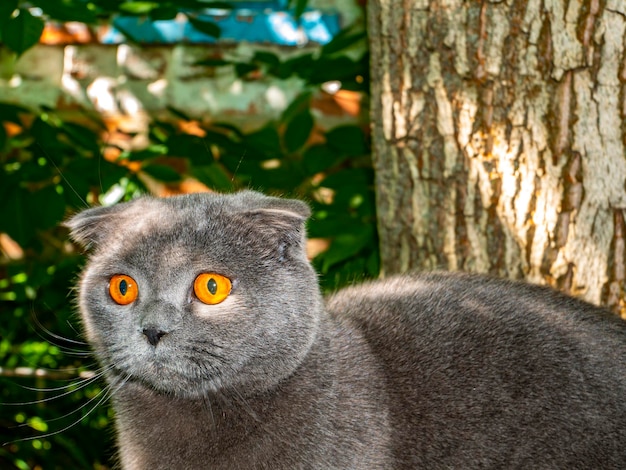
{"points": [[171, 225], [150, 215], [244, 221]]}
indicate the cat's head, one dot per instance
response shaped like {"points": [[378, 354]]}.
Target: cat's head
{"points": [[198, 293]]}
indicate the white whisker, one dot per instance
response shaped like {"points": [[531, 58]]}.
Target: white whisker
{"points": [[106, 393], [56, 397]]}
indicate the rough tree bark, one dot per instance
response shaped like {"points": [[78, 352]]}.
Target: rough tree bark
{"points": [[499, 132]]}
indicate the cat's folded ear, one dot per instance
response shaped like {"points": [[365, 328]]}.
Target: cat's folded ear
{"points": [[289, 208], [90, 226], [278, 220]]}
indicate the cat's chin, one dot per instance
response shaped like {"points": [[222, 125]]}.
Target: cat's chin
{"points": [[165, 381]]}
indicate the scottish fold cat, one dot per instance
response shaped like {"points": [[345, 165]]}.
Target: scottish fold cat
{"points": [[222, 353]]}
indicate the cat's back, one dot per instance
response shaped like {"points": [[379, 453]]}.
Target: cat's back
{"points": [[509, 373], [444, 303]]}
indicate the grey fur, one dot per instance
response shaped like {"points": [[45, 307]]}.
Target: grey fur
{"points": [[428, 371]]}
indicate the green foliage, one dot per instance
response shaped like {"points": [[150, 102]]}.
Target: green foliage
{"points": [[52, 166], [332, 62], [21, 31]]}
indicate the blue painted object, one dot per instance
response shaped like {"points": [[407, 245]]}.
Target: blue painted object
{"points": [[259, 22]]}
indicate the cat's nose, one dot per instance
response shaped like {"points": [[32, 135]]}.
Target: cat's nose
{"points": [[154, 335]]}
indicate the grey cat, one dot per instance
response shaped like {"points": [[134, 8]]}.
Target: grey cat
{"points": [[222, 354]]}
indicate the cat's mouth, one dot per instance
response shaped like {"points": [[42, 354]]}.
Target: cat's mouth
{"points": [[161, 375]]}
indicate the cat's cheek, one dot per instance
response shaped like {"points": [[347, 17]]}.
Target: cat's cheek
{"points": [[89, 323], [88, 327], [226, 309]]}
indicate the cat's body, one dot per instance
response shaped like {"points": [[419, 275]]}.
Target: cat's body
{"points": [[429, 371]]}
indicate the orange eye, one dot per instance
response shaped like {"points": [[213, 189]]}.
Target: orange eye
{"points": [[123, 289], [211, 288]]}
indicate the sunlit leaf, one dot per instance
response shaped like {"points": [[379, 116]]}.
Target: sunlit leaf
{"points": [[138, 8]]}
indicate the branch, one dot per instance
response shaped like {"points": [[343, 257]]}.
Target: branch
{"points": [[31, 372]]}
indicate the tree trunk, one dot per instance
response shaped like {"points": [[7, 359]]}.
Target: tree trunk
{"points": [[498, 138]]}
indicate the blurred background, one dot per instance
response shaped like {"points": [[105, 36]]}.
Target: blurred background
{"points": [[426, 135], [101, 101]]}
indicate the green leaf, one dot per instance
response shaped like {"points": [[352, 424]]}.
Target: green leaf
{"points": [[303, 66], [207, 27], [242, 69], [335, 223], [163, 13], [297, 106], [343, 40], [153, 151], [47, 206], [224, 138], [3, 139], [265, 141], [67, 10], [11, 112], [214, 176], [81, 135], [211, 62], [138, 8], [195, 148], [22, 32], [13, 218], [161, 172], [46, 136], [335, 68], [79, 176], [110, 174], [218, 5], [319, 158], [298, 131], [300, 7], [180, 114], [346, 246], [373, 264], [25, 212], [266, 58], [348, 140], [356, 176], [7, 7]]}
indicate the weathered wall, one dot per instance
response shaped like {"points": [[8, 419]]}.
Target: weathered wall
{"points": [[499, 139]]}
